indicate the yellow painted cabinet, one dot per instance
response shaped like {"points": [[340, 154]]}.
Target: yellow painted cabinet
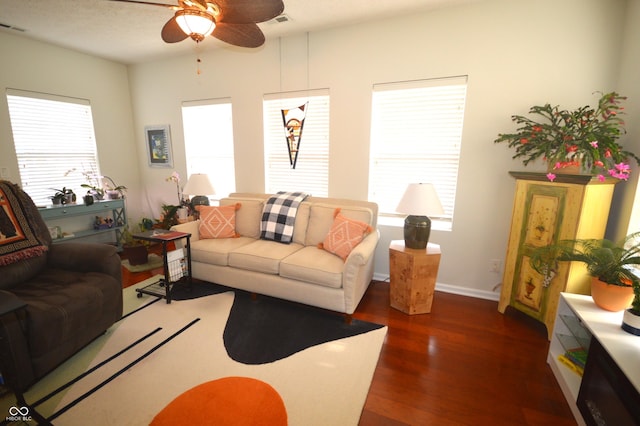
{"points": [[571, 207]]}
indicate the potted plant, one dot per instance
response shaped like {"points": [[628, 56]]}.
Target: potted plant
{"points": [[168, 217], [96, 191], [63, 196], [134, 250], [586, 137], [116, 192], [611, 266]]}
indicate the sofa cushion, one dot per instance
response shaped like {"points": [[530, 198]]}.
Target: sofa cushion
{"points": [[313, 265], [301, 223], [248, 217], [216, 251], [321, 219], [344, 235], [262, 256], [218, 221]]}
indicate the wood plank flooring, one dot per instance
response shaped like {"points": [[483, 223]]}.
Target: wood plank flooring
{"points": [[462, 364]]}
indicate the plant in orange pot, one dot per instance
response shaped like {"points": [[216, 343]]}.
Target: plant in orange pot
{"points": [[615, 284]]}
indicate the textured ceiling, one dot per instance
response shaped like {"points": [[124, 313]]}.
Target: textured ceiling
{"points": [[130, 33]]}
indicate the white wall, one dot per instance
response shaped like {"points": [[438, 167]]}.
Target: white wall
{"points": [[516, 54], [40, 67]]}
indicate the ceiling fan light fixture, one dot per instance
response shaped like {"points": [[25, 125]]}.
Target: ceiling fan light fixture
{"points": [[197, 24]]}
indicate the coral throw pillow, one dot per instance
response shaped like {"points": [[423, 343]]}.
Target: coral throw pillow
{"points": [[218, 222], [344, 235]]}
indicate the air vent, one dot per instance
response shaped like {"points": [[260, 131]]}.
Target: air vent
{"points": [[280, 19], [11, 27]]}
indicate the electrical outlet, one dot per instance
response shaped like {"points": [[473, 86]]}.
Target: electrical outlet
{"points": [[4, 172], [495, 265]]}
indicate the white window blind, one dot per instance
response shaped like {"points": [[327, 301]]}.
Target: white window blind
{"points": [[208, 139], [416, 131], [54, 141], [311, 174]]}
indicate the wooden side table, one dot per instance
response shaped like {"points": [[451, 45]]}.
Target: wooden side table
{"points": [[413, 277]]}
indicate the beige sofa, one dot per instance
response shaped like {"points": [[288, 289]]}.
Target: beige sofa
{"points": [[300, 271]]}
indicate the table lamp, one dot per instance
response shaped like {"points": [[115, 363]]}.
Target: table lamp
{"points": [[200, 187], [419, 201]]}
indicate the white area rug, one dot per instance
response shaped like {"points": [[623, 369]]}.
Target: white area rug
{"points": [[323, 385]]}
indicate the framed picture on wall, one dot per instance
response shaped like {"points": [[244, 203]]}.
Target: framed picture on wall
{"points": [[158, 146]]}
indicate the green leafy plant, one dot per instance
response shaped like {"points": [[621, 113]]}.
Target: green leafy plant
{"points": [[98, 190], [169, 216], [586, 137], [62, 196], [611, 262]]}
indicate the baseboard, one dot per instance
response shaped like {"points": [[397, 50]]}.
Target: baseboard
{"points": [[454, 289], [465, 291]]}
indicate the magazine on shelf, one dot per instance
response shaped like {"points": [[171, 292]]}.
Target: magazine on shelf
{"points": [[177, 264]]}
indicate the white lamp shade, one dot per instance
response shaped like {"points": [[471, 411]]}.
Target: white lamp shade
{"points": [[199, 184], [420, 199]]}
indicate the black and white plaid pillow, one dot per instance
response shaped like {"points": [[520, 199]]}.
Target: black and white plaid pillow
{"points": [[279, 215]]}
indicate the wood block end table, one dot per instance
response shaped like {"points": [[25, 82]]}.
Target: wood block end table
{"points": [[413, 274]]}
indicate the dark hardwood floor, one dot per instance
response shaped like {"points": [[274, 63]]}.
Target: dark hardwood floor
{"points": [[462, 364]]}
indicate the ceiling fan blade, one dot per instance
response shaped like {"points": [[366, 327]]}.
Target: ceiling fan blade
{"points": [[243, 35], [171, 32], [247, 11], [170, 6]]}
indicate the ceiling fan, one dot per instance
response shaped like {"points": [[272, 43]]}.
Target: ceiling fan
{"points": [[232, 21]]}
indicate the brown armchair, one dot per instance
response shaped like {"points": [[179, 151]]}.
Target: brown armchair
{"points": [[54, 299]]}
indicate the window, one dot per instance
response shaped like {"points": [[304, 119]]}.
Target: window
{"points": [[208, 140], [54, 141], [416, 131], [311, 173]]}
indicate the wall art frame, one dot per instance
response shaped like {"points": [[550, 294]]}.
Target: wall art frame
{"points": [[158, 140]]}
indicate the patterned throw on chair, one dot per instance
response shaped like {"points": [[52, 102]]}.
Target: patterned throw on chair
{"points": [[17, 238]]}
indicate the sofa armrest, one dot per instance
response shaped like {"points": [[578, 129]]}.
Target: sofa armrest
{"points": [[86, 257], [189, 227], [362, 252], [358, 271], [9, 302]]}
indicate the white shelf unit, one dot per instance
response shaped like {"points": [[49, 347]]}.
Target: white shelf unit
{"points": [[577, 314]]}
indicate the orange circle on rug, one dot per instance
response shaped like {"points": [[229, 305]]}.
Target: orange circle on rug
{"points": [[227, 401]]}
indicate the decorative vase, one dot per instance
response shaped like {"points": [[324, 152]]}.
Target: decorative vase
{"points": [[610, 297], [631, 322]]}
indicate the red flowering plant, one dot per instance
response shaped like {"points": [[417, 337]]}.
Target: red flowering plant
{"points": [[586, 137]]}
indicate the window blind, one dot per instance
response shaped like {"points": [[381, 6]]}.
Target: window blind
{"points": [[54, 141], [208, 138], [311, 174], [416, 132]]}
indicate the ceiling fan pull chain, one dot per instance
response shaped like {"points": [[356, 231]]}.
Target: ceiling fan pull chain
{"points": [[198, 60]]}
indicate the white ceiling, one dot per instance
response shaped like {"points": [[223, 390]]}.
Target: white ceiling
{"points": [[130, 33]]}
